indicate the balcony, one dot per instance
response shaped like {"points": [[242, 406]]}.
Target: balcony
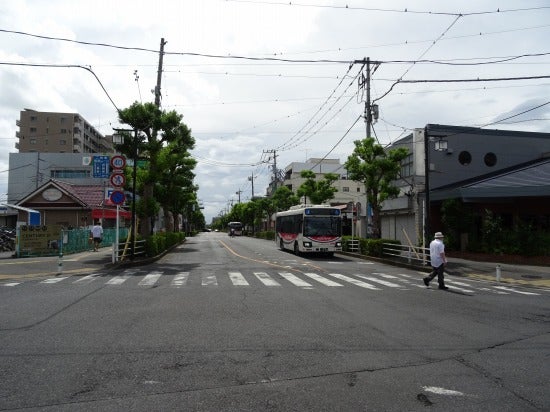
{"points": [[18, 123]]}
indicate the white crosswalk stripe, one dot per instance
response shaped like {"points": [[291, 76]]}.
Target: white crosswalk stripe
{"points": [[150, 279], [54, 280], [209, 279], [354, 281], [118, 280], [86, 279], [11, 284], [238, 279], [380, 281], [295, 280], [266, 279], [180, 279], [515, 290], [322, 280]]}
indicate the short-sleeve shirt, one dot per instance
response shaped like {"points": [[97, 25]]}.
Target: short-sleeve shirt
{"points": [[437, 247], [97, 231]]}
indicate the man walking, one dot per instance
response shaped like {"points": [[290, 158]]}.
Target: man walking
{"points": [[97, 235], [438, 261]]}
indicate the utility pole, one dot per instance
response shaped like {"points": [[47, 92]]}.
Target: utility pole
{"points": [[275, 177], [159, 73], [238, 193], [368, 112], [251, 179]]}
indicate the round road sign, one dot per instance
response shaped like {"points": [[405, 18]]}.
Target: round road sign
{"points": [[118, 197], [118, 162], [118, 179]]}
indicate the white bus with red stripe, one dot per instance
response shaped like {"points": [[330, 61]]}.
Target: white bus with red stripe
{"points": [[309, 229]]}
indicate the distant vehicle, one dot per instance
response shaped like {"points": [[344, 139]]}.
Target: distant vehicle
{"points": [[306, 229], [236, 228]]}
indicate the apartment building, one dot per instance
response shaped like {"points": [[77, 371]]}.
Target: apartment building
{"points": [[54, 132]]}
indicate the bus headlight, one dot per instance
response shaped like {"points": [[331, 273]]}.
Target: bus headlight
{"points": [[338, 244], [307, 244]]}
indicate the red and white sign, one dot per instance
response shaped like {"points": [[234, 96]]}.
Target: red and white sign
{"points": [[118, 179], [118, 162]]}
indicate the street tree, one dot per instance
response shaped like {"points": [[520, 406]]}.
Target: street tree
{"points": [[317, 191], [377, 169], [155, 130], [283, 199]]}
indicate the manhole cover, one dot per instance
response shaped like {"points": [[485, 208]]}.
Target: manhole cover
{"points": [[531, 276]]}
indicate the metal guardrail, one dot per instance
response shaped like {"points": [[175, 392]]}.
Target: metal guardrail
{"points": [[417, 254]]}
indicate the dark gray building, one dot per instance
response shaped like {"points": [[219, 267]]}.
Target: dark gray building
{"points": [[505, 172]]}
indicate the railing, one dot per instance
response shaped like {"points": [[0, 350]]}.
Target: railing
{"points": [[417, 254], [123, 250], [353, 245]]}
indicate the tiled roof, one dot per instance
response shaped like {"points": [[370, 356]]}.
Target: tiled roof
{"points": [[90, 195]]}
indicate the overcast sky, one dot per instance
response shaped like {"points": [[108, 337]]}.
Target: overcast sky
{"points": [[295, 87]]}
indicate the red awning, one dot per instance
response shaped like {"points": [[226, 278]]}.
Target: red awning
{"points": [[110, 214]]}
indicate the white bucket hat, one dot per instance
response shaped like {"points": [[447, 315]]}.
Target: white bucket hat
{"points": [[438, 235]]}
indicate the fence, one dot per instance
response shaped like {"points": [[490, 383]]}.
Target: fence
{"points": [[124, 250], [65, 241], [418, 255]]}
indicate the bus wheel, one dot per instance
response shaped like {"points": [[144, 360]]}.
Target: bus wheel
{"points": [[281, 245], [296, 249]]}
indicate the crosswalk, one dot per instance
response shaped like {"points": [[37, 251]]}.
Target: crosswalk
{"points": [[373, 282]]}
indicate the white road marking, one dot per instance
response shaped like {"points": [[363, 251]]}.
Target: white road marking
{"points": [[365, 263], [209, 279], [118, 280], [238, 279], [180, 279], [515, 291], [442, 391], [498, 292], [87, 279], [322, 280], [150, 279], [54, 280], [382, 282], [354, 281], [295, 280], [266, 279], [11, 284]]}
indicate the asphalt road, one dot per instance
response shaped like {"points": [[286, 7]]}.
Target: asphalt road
{"points": [[235, 324]]}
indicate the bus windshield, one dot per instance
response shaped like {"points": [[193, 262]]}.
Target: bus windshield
{"points": [[322, 226]]}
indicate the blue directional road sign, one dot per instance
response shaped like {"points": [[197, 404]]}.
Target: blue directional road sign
{"points": [[101, 167]]}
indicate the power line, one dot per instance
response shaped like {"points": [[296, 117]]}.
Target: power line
{"points": [[69, 66]]}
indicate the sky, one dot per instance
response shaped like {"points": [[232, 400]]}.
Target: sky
{"points": [[259, 79]]}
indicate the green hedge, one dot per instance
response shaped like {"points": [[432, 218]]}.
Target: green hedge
{"points": [[161, 241], [268, 234], [368, 247]]}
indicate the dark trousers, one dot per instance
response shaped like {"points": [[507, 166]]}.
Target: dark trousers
{"points": [[438, 271]]}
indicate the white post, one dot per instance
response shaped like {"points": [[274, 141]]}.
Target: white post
{"points": [[498, 273], [115, 244]]}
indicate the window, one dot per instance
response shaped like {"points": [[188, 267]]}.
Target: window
{"points": [[69, 174], [32, 141], [465, 158], [63, 131], [358, 189], [345, 189], [62, 142], [490, 159], [33, 129], [407, 166], [62, 119], [33, 118]]}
